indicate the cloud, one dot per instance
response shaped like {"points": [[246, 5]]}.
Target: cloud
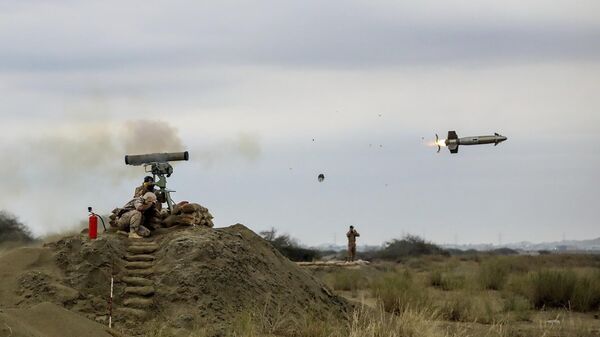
{"points": [[150, 136], [244, 82], [346, 34], [244, 145]]}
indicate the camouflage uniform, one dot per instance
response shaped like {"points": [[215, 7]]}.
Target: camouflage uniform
{"points": [[131, 218], [142, 189], [352, 235], [145, 188]]}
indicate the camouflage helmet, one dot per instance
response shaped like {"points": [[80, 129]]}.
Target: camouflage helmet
{"points": [[149, 196]]}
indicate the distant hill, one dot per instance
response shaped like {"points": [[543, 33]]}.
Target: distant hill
{"points": [[567, 245], [325, 247]]}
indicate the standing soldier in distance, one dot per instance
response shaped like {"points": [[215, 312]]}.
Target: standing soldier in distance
{"points": [[352, 235]]}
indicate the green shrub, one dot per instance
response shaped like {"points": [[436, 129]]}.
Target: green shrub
{"points": [[493, 273], [368, 322], [586, 294], [484, 309], [518, 307], [398, 292], [289, 247], [552, 288], [518, 284], [349, 280], [466, 306], [558, 288], [417, 263], [436, 279], [470, 255], [410, 245], [516, 303], [456, 308], [446, 281]]}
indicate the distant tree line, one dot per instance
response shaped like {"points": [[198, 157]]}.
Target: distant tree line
{"points": [[395, 250], [412, 245], [12, 230], [498, 251], [290, 247]]}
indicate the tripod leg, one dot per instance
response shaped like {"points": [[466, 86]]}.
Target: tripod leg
{"points": [[169, 201]]}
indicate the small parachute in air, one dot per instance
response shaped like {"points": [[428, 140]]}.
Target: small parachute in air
{"points": [[321, 177]]}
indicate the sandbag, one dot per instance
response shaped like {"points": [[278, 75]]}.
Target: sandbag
{"points": [[189, 219], [170, 221], [189, 208]]}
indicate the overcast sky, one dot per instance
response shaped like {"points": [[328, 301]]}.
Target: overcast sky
{"points": [[246, 87]]}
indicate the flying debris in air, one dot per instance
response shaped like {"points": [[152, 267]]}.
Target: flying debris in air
{"points": [[452, 142], [321, 177]]}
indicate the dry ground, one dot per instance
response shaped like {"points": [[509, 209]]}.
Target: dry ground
{"points": [[552, 295]]}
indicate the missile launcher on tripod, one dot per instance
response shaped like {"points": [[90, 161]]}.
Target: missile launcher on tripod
{"points": [[158, 164]]}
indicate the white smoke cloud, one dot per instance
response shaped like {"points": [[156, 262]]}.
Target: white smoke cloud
{"points": [[56, 167], [246, 146], [59, 169]]}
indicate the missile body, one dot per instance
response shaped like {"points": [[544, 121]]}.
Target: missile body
{"points": [[452, 141]]}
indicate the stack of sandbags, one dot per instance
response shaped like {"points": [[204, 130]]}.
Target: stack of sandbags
{"points": [[189, 214]]}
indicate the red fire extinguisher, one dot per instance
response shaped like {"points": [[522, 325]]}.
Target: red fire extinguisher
{"points": [[93, 224]]}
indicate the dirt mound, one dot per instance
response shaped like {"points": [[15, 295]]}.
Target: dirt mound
{"points": [[180, 279], [209, 277], [48, 320], [26, 268]]}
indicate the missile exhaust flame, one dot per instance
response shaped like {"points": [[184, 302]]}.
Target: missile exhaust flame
{"points": [[435, 142], [439, 143]]}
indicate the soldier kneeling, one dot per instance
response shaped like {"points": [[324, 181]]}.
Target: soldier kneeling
{"points": [[131, 215]]}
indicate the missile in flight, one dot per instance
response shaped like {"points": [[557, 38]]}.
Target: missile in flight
{"points": [[452, 142]]}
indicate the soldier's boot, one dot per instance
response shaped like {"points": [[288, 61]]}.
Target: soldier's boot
{"points": [[143, 231], [134, 235]]}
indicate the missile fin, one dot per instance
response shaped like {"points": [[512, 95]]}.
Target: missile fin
{"points": [[453, 148]]}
